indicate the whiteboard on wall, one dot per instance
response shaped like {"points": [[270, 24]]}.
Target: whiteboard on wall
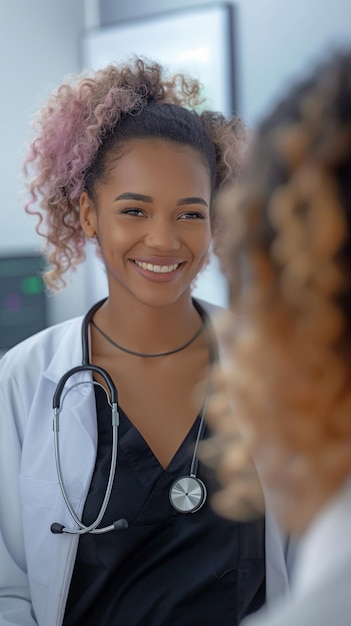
{"points": [[196, 42]]}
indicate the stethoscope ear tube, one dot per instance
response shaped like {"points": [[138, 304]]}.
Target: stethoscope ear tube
{"points": [[56, 527], [60, 529]]}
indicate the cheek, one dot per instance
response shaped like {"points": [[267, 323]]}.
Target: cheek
{"points": [[200, 248], [111, 247], [113, 236], [202, 241]]}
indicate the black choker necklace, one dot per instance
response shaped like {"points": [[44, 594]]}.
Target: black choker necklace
{"points": [[185, 345]]}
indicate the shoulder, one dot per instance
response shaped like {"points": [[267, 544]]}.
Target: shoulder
{"points": [[30, 371], [218, 313], [210, 308], [214, 312], [224, 322], [36, 352]]}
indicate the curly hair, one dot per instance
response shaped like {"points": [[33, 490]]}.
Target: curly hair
{"points": [[80, 123], [287, 250]]}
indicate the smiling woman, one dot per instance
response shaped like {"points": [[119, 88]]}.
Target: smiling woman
{"points": [[122, 158], [151, 214]]}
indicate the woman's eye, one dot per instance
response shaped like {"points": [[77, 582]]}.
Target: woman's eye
{"points": [[192, 215], [132, 211]]}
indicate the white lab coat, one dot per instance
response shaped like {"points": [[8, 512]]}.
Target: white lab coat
{"points": [[35, 565], [321, 586]]}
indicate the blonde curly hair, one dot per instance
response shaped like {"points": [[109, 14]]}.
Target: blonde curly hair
{"points": [[286, 247]]}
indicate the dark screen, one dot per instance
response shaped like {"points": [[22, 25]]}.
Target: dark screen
{"points": [[23, 301]]}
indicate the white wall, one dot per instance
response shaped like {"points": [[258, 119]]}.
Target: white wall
{"points": [[279, 40], [276, 40]]}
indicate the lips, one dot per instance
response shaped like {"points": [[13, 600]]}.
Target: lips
{"points": [[157, 268]]}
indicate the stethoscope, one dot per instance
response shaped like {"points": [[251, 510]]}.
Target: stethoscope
{"points": [[187, 494]]}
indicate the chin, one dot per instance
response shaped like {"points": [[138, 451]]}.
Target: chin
{"points": [[163, 299]]}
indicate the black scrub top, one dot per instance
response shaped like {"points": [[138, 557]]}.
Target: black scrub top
{"points": [[168, 568]]}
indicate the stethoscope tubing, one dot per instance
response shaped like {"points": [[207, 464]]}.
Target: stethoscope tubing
{"points": [[56, 401], [58, 405], [92, 528], [113, 401]]}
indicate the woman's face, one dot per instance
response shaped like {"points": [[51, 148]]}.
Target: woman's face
{"points": [[152, 220]]}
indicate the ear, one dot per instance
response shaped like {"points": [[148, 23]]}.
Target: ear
{"points": [[87, 215]]}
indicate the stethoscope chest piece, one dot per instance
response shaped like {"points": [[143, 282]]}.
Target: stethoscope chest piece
{"points": [[187, 494]]}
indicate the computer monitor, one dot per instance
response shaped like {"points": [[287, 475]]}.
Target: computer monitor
{"points": [[23, 301]]}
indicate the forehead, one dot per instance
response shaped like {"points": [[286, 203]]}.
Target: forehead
{"points": [[158, 161]]}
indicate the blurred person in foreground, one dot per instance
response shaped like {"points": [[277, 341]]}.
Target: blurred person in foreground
{"points": [[287, 251]]}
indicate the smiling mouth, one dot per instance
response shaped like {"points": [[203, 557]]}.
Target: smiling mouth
{"points": [[157, 269]]}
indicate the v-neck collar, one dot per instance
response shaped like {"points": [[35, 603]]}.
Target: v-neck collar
{"points": [[135, 445], [138, 450]]}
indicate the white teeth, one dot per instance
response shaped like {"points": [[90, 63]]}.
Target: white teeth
{"points": [[158, 269]]}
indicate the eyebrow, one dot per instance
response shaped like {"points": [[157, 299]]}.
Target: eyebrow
{"points": [[128, 195], [192, 200]]}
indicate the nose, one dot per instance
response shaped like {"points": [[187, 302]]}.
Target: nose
{"points": [[162, 235]]}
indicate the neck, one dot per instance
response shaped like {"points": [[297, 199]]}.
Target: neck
{"points": [[148, 329]]}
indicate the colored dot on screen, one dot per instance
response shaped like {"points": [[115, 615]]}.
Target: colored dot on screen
{"points": [[13, 302], [32, 285]]}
